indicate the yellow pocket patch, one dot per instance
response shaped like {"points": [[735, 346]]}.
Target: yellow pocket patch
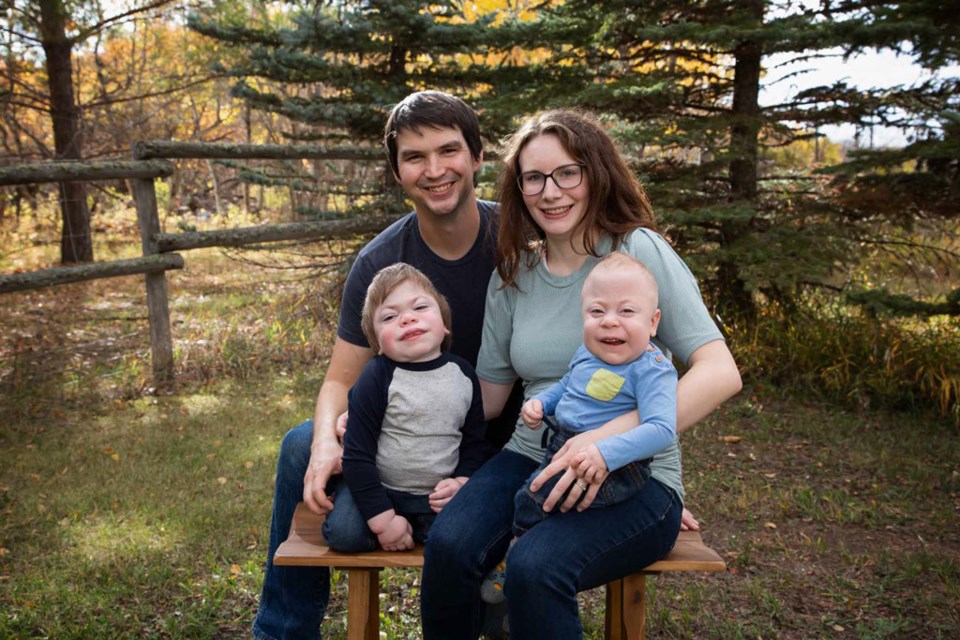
{"points": [[604, 385]]}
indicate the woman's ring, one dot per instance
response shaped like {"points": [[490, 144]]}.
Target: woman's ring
{"points": [[582, 485]]}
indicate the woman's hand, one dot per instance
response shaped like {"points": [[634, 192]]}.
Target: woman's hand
{"points": [[688, 522]]}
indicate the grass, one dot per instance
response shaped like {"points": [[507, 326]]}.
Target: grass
{"points": [[126, 514]]}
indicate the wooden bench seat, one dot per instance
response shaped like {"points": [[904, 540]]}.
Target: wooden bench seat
{"points": [[626, 598]]}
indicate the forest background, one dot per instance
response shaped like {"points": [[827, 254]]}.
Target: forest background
{"points": [[831, 267]]}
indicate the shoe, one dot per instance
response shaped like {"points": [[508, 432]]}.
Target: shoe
{"points": [[491, 591]]}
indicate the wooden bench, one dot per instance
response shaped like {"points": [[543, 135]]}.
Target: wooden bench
{"points": [[626, 598]]}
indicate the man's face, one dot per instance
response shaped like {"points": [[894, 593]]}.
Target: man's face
{"points": [[435, 169]]}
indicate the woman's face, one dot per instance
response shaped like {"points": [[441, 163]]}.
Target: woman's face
{"points": [[556, 210]]}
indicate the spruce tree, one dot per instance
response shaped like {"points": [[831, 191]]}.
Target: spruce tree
{"points": [[680, 83], [335, 69]]}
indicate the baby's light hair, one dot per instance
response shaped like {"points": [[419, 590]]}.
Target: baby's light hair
{"points": [[620, 261], [383, 284]]}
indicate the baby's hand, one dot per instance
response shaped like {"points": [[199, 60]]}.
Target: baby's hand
{"points": [[532, 413], [590, 465], [444, 492]]}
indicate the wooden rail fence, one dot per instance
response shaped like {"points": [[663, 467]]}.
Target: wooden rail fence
{"points": [[151, 161]]}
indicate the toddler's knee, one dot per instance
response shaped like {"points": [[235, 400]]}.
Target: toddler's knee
{"points": [[348, 539]]}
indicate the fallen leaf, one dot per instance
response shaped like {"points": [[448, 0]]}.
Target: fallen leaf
{"points": [[3, 552], [731, 439], [769, 525], [837, 627], [248, 464], [235, 569], [222, 480]]}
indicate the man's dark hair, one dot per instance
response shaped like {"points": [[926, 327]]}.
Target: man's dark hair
{"points": [[431, 109]]}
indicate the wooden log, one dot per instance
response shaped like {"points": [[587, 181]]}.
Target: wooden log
{"points": [[146, 149], [89, 271], [270, 233], [161, 340], [84, 171]]}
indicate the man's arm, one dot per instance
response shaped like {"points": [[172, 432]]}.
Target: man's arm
{"points": [[346, 362]]}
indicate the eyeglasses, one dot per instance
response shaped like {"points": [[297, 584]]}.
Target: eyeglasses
{"points": [[568, 176]]}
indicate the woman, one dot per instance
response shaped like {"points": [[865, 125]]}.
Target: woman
{"points": [[567, 197]]}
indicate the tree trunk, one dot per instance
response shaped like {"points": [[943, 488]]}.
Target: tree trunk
{"points": [[75, 242], [744, 138]]}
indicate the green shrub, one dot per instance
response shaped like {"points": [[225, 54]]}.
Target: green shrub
{"points": [[862, 361]]}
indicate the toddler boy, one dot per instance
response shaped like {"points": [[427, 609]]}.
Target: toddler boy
{"points": [[415, 428]]}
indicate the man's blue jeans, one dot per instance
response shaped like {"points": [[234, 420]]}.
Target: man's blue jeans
{"points": [[546, 567], [293, 599]]}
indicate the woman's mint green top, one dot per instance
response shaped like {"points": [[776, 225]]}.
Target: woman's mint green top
{"points": [[531, 331]]}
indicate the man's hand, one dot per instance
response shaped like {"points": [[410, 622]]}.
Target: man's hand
{"points": [[444, 492], [393, 531], [590, 465], [532, 413], [326, 460]]}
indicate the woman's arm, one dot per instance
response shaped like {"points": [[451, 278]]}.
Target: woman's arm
{"points": [[495, 396], [712, 378]]}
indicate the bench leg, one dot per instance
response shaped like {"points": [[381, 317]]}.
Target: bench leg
{"points": [[363, 604], [626, 612]]}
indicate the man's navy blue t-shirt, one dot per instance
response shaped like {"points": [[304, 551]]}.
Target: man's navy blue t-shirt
{"points": [[463, 282]]}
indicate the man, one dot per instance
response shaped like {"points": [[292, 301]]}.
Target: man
{"points": [[434, 148]]}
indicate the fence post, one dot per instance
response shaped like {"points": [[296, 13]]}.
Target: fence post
{"points": [[161, 341]]}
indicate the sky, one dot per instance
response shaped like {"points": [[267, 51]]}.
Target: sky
{"points": [[876, 69]]}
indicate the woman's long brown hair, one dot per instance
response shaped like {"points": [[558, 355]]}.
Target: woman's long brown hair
{"points": [[617, 202]]}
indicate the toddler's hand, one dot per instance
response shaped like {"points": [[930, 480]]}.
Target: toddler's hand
{"points": [[397, 536], [532, 413], [444, 492], [590, 465]]}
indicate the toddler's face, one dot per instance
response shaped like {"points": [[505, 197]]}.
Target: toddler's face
{"points": [[409, 325], [620, 315]]}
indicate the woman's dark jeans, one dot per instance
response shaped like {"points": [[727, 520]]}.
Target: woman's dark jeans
{"points": [[548, 566]]}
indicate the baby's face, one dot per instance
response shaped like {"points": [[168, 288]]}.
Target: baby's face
{"points": [[620, 315], [409, 325]]}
